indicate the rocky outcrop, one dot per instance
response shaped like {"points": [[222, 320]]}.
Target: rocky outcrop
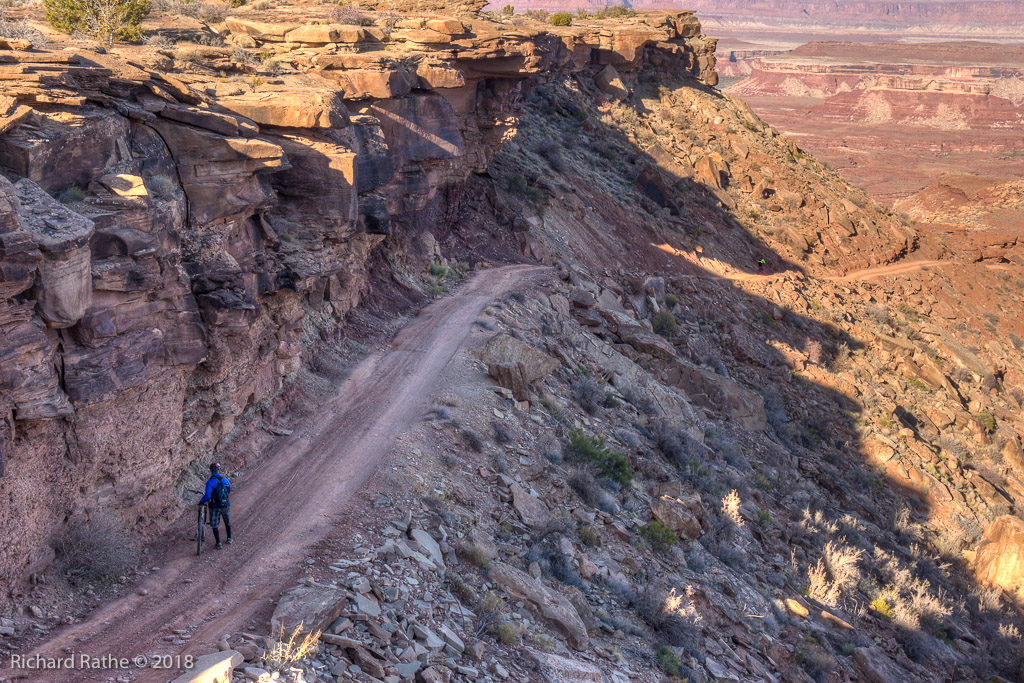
{"points": [[999, 559], [552, 606], [198, 223]]}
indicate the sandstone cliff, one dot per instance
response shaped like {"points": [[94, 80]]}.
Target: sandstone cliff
{"points": [[207, 230]]}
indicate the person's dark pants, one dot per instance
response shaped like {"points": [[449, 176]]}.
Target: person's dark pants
{"points": [[215, 515]]}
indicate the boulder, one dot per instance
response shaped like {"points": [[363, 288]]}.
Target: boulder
{"points": [[552, 667], [428, 545], [679, 515], [19, 255], [212, 668], [611, 84], [314, 606], [505, 349], [510, 376], [713, 171], [645, 341], [532, 511], [551, 605], [999, 560], [718, 393], [877, 667], [260, 30]]}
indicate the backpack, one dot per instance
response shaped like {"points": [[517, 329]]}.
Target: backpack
{"points": [[219, 497]]}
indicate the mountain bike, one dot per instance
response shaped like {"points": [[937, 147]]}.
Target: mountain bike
{"points": [[202, 521]]}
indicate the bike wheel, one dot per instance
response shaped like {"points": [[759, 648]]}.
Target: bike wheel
{"points": [[199, 532]]}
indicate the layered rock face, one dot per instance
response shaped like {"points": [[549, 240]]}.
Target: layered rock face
{"points": [[926, 108], [205, 226], [957, 86], [931, 15], [936, 14]]}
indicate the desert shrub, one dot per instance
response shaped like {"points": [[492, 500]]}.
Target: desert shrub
{"points": [[613, 12], [71, 194], [882, 608], [595, 450], [555, 563], [589, 536], [659, 536], [502, 434], [586, 487], [189, 55], [775, 412], [346, 14], [819, 587], [108, 21], [508, 10], [731, 507], [159, 41], [665, 323], [291, 650], [506, 634], [206, 12], [98, 550], [473, 439], [588, 394], [986, 421], [842, 563], [668, 662], [676, 443], [18, 30], [161, 187], [641, 399], [561, 19], [550, 448]]}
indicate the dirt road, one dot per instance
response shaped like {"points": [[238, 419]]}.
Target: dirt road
{"points": [[286, 504]]}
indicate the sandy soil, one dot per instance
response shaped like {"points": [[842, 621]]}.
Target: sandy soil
{"points": [[285, 505]]}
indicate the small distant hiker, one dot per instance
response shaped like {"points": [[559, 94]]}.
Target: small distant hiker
{"points": [[762, 266], [218, 493]]}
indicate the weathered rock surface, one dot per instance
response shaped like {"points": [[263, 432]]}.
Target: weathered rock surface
{"points": [[217, 667], [201, 221], [314, 606], [999, 559], [554, 608]]}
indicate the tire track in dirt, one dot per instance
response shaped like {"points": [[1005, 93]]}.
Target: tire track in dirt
{"points": [[284, 505]]}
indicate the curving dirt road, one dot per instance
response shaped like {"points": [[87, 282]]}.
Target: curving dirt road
{"points": [[290, 502]]}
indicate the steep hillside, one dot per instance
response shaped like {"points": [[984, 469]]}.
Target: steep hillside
{"points": [[748, 425]]}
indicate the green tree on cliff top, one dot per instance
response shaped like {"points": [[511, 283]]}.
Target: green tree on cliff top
{"points": [[107, 21]]}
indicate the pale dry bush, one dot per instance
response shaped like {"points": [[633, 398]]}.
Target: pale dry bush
{"points": [[903, 525], [989, 600], [816, 522], [681, 605], [299, 645], [819, 587], [731, 507], [835, 575], [842, 563], [1009, 631], [914, 603]]}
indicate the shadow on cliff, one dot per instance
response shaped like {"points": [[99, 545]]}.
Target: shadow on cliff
{"points": [[573, 189]]}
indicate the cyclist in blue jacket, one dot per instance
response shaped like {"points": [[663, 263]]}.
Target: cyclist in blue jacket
{"points": [[218, 494]]}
